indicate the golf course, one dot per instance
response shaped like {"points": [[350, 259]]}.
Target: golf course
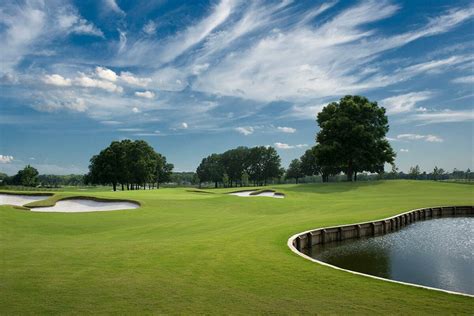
{"points": [[204, 251]]}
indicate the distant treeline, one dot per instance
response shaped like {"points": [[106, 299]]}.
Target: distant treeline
{"points": [[241, 166], [132, 164]]}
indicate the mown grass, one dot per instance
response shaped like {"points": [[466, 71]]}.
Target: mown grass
{"points": [[186, 252]]}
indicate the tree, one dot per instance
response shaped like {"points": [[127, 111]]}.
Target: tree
{"points": [[294, 170], [235, 162], [210, 170], [131, 163], [414, 172], [28, 177], [352, 137], [437, 173]]}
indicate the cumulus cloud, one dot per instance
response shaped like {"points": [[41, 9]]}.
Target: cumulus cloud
{"points": [[6, 159], [429, 138], [287, 146], [130, 78], [245, 130], [405, 102], [404, 150], [135, 110], [184, 125], [56, 80], [87, 82], [145, 94], [285, 129], [106, 74]]}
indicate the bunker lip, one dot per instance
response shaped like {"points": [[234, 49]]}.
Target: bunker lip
{"points": [[292, 241], [27, 193], [87, 209], [252, 193]]}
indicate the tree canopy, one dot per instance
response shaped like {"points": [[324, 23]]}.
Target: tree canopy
{"points": [[240, 165], [351, 139], [133, 164]]}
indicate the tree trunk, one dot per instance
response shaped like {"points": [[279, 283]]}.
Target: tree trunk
{"points": [[350, 171], [122, 187], [355, 176], [215, 184], [296, 180], [115, 186]]}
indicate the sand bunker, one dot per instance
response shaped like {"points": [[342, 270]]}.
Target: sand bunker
{"points": [[264, 193], [84, 205], [20, 199]]}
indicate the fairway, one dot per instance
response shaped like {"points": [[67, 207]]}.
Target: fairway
{"points": [[185, 252]]}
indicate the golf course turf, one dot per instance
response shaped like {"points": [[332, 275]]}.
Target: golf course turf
{"points": [[185, 252]]}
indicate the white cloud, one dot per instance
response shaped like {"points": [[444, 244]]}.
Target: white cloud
{"points": [[184, 125], [130, 129], [113, 6], [287, 146], [322, 60], [56, 80], [285, 129], [6, 159], [109, 122], [245, 130], [405, 102], [306, 112], [70, 21], [106, 74], [464, 80], [150, 27], [145, 94], [404, 150], [135, 110], [446, 116], [130, 78], [88, 82], [55, 104], [429, 138]]}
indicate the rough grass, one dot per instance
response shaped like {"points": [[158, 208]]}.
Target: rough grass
{"points": [[191, 253]]}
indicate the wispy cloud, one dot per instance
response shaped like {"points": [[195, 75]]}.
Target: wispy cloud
{"points": [[287, 146], [428, 138], [405, 102], [464, 80], [245, 130], [447, 116], [286, 129]]}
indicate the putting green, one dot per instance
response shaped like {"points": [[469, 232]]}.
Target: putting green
{"points": [[186, 252]]}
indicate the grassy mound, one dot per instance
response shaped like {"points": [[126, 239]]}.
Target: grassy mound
{"points": [[186, 252]]}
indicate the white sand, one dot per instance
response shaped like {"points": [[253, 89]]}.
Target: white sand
{"points": [[266, 194], [80, 205], [19, 199]]}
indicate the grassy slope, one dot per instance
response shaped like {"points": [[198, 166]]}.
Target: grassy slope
{"points": [[186, 252]]}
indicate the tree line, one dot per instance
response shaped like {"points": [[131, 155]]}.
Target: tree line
{"points": [[240, 166], [131, 164], [351, 139]]}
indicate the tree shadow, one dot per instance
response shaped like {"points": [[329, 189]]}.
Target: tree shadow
{"points": [[331, 187]]}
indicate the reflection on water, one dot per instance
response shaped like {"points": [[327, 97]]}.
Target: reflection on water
{"points": [[437, 253]]}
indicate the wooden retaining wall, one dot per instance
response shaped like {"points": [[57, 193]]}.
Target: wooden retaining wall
{"points": [[380, 227]]}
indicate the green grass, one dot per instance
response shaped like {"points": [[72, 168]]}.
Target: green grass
{"points": [[185, 252]]}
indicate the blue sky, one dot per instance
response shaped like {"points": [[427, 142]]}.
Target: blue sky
{"points": [[197, 77]]}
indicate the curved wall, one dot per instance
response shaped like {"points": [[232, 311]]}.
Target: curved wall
{"points": [[324, 235]]}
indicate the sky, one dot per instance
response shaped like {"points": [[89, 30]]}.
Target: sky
{"points": [[197, 77]]}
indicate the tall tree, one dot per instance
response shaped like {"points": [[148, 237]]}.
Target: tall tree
{"points": [[295, 170], [211, 170], [353, 134], [28, 176]]}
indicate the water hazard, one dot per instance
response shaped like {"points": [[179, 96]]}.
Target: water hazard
{"points": [[437, 253]]}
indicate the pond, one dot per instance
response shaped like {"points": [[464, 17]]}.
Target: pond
{"points": [[436, 253]]}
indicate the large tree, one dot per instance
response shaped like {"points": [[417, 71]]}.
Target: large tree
{"points": [[295, 170], [352, 137], [211, 170]]}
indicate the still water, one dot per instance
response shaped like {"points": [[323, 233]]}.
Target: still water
{"points": [[437, 253]]}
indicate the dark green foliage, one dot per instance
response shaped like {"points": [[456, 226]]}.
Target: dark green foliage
{"points": [[27, 177], [295, 170], [351, 139], [240, 165], [133, 164]]}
